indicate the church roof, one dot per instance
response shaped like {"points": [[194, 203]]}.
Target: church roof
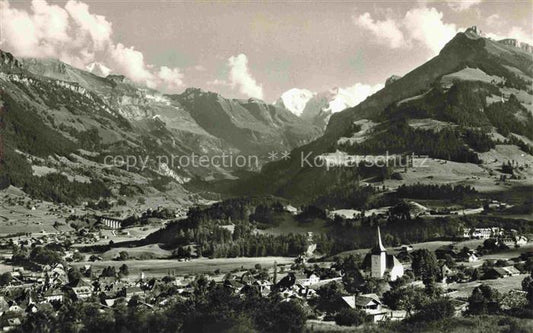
{"points": [[392, 261]]}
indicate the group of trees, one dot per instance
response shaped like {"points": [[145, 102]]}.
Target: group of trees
{"points": [[396, 231], [160, 213], [399, 137], [356, 197], [435, 191], [205, 229], [503, 115], [50, 254]]}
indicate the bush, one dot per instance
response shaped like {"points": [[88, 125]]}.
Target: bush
{"points": [[350, 317], [437, 310]]}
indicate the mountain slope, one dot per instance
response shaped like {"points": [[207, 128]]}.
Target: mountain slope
{"points": [[64, 122], [467, 105], [465, 49], [251, 126]]}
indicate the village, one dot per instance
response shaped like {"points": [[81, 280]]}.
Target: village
{"points": [[41, 271]]}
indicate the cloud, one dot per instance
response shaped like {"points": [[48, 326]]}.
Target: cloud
{"points": [[387, 31], [515, 32], [521, 35], [240, 77], [462, 5], [425, 25], [421, 25], [131, 63], [217, 82], [493, 20], [96, 26], [170, 77], [78, 37]]}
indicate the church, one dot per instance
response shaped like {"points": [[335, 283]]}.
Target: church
{"points": [[381, 263]]}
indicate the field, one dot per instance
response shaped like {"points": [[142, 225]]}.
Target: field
{"points": [[149, 251], [476, 324], [432, 246], [18, 213], [504, 285], [161, 267], [484, 177]]}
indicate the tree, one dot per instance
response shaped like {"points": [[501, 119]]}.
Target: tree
{"points": [[527, 286], [183, 252], [73, 275], [350, 317], [450, 261], [45, 256], [77, 256], [408, 298], [123, 255], [425, 264], [5, 279], [484, 300], [431, 289], [436, 310], [329, 297], [290, 317], [109, 271], [124, 270], [401, 211]]}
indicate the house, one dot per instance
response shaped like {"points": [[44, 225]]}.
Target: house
{"points": [[470, 257], [513, 241], [501, 272], [445, 250], [109, 222], [382, 263], [234, 285], [247, 278], [511, 270], [4, 305], [229, 227], [13, 322], [81, 289], [286, 282], [370, 304], [134, 290], [486, 233], [445, 272], [406, 248], [520, 241], [262, 285], [305, 280], [53, 294], [291, 209]]}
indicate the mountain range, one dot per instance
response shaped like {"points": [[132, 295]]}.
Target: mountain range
{"points": [[469, 109], [318, 107], [61, 120], [471, 105]]}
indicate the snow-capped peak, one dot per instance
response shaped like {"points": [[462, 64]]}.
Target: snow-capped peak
{"points": [[98, 68], [295, 100], [342, 98]]}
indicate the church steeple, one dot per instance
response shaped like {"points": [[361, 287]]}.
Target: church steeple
{"points": [[379, 248], [380, 244]]}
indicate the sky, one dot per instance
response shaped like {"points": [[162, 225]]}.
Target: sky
{"points": [[245, 49]]}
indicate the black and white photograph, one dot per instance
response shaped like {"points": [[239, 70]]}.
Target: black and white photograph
{"points": [[266, 166]]}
